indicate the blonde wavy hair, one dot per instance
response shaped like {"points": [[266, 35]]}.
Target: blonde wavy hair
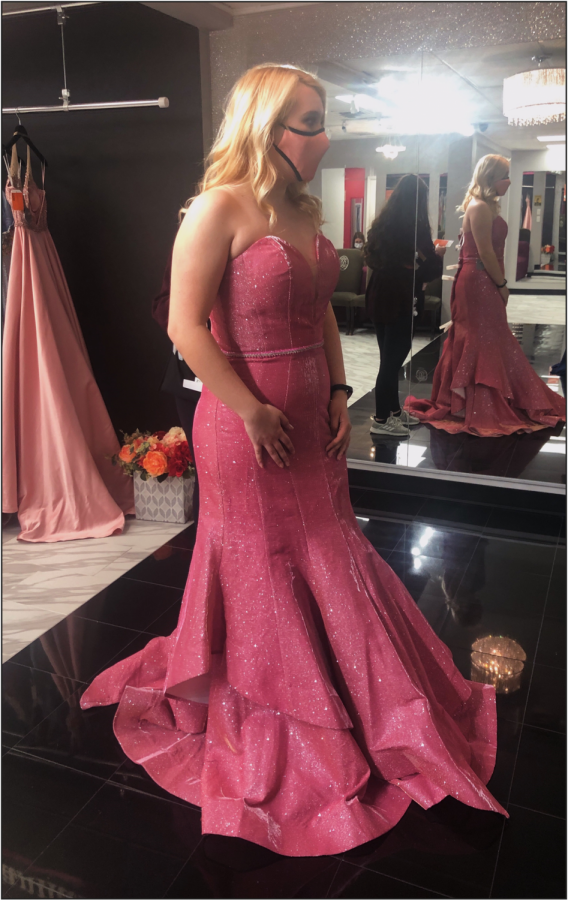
{"points": [[489, 169], [261, 99]]}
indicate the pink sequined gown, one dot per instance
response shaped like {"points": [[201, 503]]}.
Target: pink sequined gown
{"points": [[56, 432], [484, 384], [333, 704]]}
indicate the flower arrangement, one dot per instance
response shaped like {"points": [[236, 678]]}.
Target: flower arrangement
{"points": [[160, 455]]}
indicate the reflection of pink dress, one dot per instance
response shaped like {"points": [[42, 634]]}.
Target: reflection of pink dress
{"points": [[56, 430], [484, 384], [332, 702]]}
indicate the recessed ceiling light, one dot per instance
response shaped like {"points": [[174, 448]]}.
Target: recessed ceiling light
{"points": [[561, 138]]}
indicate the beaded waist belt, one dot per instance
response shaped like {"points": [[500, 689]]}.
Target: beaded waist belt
{"points": [[476, 259], [269, 354]]}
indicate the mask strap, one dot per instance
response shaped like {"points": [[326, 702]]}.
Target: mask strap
{"points": [[304, 133], [289, 161]]}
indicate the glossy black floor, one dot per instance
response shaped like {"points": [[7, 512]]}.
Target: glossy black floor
{"points": [[540, 456], [81, 820]]}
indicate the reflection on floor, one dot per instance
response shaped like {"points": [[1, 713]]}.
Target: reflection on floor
{"points": [[537, 457], [43, 583], [83, 821]]}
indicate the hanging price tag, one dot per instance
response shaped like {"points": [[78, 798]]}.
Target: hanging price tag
{"points": [[17, 201]]}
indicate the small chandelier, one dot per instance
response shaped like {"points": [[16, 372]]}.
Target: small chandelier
{"points": [[537, 97], [391, 151], [499, 661]]}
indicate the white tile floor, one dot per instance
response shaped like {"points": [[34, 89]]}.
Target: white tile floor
{"points": [[43, 583]]}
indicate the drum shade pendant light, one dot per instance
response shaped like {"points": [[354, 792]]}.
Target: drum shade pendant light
{"points": [[537, 97]]}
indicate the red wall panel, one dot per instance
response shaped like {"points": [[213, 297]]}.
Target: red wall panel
{"points": [[354, 190]]}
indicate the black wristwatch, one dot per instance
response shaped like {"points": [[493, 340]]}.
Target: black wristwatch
{"points": [[501, 285], [341, 387]]}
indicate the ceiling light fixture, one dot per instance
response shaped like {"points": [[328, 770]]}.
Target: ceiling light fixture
{"points": [[535, 98], [391, 151]]}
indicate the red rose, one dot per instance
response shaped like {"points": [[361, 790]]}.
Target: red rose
{"points": [[183, 451], [176, 467], [160, 435]]}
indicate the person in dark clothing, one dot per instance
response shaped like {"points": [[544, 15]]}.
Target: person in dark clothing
{"points": [[179, 380], [403, 258]]}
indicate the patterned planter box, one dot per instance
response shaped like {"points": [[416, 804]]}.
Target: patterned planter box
{"points": [[167, 501]]}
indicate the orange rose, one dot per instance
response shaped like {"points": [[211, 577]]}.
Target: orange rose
{"points": [[155, 463], [138, 443], [126, 454]]}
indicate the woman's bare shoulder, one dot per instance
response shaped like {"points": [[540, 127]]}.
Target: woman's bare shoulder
{"points": [[479, 211], [217, 202]]}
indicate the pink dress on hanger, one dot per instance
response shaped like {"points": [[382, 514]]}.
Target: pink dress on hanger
{"points": [[332, 702], [56, 433], [484, 384]]}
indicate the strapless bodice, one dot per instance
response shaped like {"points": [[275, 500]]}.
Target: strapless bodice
{"points": [[34, 214], [268, 301], [469, 249]]}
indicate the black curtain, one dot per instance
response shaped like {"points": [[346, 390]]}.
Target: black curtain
{"points": [[116, 178]]}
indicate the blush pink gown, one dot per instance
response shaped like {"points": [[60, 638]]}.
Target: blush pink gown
{"points": [[56, 432], [333, 704], [484, 384]]}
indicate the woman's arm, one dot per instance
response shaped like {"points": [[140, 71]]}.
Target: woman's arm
{"points": [[338, 415], [201, 252], [481, 222], [332, 347]]}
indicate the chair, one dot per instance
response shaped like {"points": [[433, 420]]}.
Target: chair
{"points": [[349, 285]]}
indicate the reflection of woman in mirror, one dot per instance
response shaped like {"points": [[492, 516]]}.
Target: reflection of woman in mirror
{"points": [[331, 704], [484, 384], [403, 258]]}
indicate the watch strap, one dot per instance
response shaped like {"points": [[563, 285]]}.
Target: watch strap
{"points": [[341, 387]]}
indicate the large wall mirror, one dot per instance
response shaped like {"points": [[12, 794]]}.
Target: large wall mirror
{"points": [[436, 115]]}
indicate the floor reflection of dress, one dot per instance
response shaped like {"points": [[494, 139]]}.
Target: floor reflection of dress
{"points": [[420, 839], [504, 456], [483, 384]]}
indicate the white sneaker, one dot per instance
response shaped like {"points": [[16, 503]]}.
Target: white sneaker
{"points": [[392, 427], [406, 419]]}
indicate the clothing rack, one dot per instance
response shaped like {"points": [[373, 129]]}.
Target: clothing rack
{"points": [[36, 9], [161, 102], [66, 106]]}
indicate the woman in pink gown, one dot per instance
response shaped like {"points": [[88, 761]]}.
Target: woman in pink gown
{"points": [[57, 437], [303, 701], [484, 384]]}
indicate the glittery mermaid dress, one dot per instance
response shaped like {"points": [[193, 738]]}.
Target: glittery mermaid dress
{"points": [[483, 383], [332, 703]]}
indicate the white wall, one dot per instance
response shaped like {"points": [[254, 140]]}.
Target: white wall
{"points": [[333, 199], [370, 198]]}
